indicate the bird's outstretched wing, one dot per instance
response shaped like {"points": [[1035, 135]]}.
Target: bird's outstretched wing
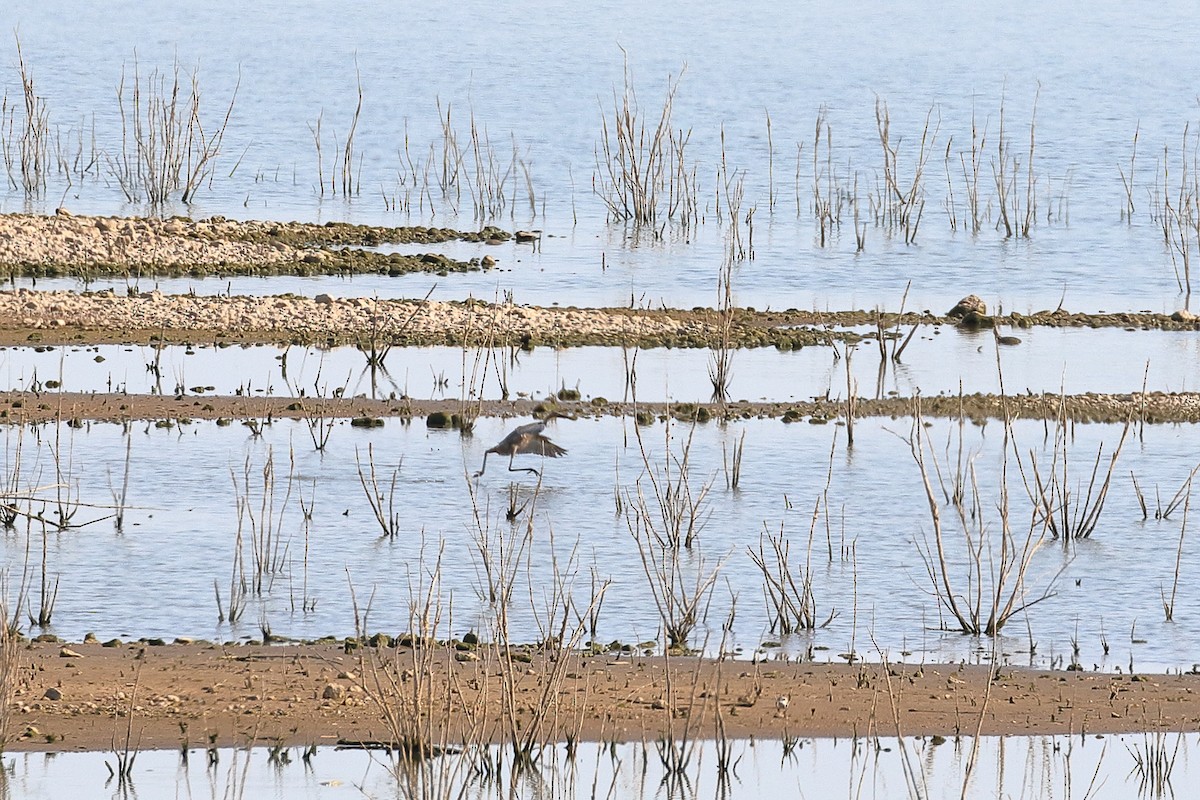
{"points": [[528, 429], [541, 446]]}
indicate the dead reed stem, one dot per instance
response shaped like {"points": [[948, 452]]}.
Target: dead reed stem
{"points": [[1127, 181], [1169, 605], [165, 148], [642, 172], [903, 201], [997, 562], [1056, 501], [383, 507]]}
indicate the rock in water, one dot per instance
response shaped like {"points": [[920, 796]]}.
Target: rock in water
{"points": [[971, 304]]}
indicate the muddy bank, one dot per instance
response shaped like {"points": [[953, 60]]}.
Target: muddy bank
{"points": [[78, 408], [106, 317], [108, 247], [81, 696]]}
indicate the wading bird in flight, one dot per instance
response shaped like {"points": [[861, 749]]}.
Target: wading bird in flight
{"points": [[525, 440]]}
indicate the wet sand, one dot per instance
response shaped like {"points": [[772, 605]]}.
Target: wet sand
{"points": [[81, 407], [319, 694]]}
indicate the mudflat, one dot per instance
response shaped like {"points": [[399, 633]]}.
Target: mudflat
{"points": [[96, 697]]}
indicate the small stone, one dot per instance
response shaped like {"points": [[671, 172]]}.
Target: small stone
{"points": [[67, 652], [1183, 315], [488, 262], [333, 691], [527, 236], [53, 693], [347, 676], [465, 655], [90, 638], [323, 300]]}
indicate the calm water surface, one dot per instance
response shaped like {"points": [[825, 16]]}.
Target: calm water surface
{"points": [[864, 553], [1039, 768], [939, 360], [540, 81]]}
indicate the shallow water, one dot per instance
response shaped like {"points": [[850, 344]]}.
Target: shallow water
{"points": [[939, 360], [739, 68], [157, 577], [1038, 768], [538, 81]]}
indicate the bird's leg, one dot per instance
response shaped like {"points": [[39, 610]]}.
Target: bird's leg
{"points": [[511, 468], [481, 469]]}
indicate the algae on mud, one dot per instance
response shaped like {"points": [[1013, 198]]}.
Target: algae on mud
{"points": [[26, 407], [91, 248]]}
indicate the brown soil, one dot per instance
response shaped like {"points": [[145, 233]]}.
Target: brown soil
{"points": [[201, 694], [78, 407]]}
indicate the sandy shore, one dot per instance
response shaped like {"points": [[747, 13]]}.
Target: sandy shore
{"points": [[85, 696]]}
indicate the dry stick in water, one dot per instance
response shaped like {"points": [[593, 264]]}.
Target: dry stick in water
{"points": [[974, 611], [950, 203], [1127, 180], [721, 362], [851, 396], [35, 133], [661, 532], [911, 773], [770, 165], [119, 498], [733, 471], [383, 509], [791, 607], [1169, 606], [903, 205], [638, 162], [971, 177], [349, 185], [1065, 516], [1030, 178]]}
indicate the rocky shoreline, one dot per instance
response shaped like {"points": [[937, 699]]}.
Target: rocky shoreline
{"points": [[93, 247], [48, 406], [90, 247], [61, 317]]}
